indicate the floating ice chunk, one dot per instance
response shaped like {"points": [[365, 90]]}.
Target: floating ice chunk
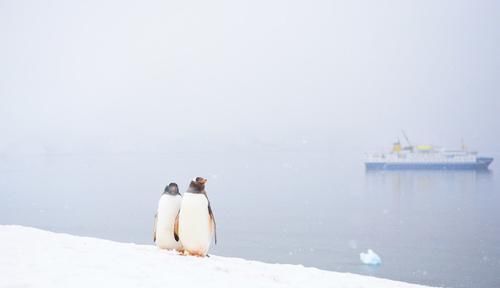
{"points": [[370, 258]]}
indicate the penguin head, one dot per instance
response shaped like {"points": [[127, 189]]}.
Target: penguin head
{"points": [[198, 184], [172, 189]]}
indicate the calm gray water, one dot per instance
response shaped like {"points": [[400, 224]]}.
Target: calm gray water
{"points": [[439, 228]]}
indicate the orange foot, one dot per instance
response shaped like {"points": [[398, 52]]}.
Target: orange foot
{"points": [[194, 253]]}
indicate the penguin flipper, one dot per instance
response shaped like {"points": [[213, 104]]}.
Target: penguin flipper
{"points": [[176, 228], [212, 221], [154, 227]]}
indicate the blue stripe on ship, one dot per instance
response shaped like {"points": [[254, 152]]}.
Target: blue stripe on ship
{"points": [[481, 163]]}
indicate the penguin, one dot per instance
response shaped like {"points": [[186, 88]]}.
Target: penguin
{"points": [[164, 234], [196, 220]]}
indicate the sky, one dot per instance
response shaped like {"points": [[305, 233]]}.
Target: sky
{"points": [[154, 76]]}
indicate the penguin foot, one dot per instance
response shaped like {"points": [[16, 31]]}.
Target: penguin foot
{"points": [[192, 253]]}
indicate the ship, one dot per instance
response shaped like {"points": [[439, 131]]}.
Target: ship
{"points": [[426, 157]]}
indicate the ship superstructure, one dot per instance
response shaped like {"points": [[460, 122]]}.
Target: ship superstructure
{"points": [[426, 157]]}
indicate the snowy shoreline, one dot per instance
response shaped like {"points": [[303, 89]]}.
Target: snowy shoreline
{"points": [[37, 258]]}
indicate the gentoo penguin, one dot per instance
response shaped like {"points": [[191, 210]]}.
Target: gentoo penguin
{"points": [[168, 208], [196, 220]]}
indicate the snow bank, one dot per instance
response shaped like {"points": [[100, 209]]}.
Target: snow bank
{"points": [[37, 258]]}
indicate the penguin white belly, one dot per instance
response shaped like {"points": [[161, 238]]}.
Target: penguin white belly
{"points": [[168, 208], [195, 224]]}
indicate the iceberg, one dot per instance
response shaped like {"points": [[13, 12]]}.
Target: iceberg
{"points": [[370, 258]]}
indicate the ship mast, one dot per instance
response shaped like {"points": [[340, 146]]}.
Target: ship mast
{"points": [[407, 140]]}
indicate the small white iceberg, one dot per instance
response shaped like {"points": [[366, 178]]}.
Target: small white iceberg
{"points": [[370, 258]]}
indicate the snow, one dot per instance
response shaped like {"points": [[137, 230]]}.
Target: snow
{"points": [[35, 258], [370, 258]]}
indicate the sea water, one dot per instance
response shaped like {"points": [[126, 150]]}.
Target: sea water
{"points": [[438, 228]]}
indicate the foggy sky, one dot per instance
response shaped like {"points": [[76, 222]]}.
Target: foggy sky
{"points": [[80, 76]]}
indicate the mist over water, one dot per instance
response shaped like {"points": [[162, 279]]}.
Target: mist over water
{"points": [[103, 103], [156, 76]]}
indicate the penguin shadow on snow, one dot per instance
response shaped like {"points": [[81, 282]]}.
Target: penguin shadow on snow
{"points": [[185, 223]]}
